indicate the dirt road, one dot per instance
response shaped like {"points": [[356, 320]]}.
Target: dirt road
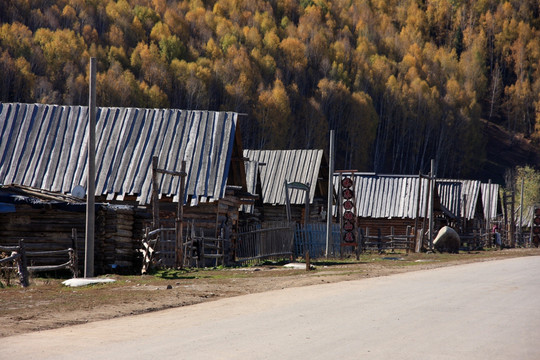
{"points": [[486, 310]]}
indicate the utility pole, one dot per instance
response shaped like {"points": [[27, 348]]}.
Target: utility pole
{"points": [[431, 203], [91, 176], [330, 193], [521, 212]]}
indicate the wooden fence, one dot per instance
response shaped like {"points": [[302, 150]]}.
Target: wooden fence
{"points": [[202, 251], [20, 257], [390, 242], [269, 240]]}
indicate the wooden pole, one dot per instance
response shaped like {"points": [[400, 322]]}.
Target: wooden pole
{"points": [[155, 193], [180, 220], [91, 175], [488, 226], [23, 265], [340, 215], [521, 211], [431, 203], [288, 203], [330, 193], [512, 220]]}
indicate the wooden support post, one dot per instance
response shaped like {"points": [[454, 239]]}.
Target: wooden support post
{"points": [[488, 220], [330, 194], [419, 188], [419, 240], [379, 241], [407, 239], [367, 235], [308, 266], [91, 175], [431, 203], [155, 194], [180, 219], [74, 257], [392, 238], [22, 268], [512, 220]]}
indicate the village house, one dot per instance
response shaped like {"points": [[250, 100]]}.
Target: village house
{"points": [[44, 147]]}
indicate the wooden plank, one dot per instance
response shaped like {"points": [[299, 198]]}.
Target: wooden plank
{"points": [[293, 171], [67, 145], [203, 153], [275, 176], [48, 132], [57, 134], [75, 138], [107, 147], [82, 135], [370, 191], [123, 178], [6, 127], [146, 161], [226, 154], [15, 166], [7, 171], [122, 155], [215, 154], [169, 130], [26, 146], [177, 155], [134, 177], [192, 168]]}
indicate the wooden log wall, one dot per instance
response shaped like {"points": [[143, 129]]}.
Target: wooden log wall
{"points": [[205, 216], [385, 225], [43, 229], [48, 227], [279, 213]]}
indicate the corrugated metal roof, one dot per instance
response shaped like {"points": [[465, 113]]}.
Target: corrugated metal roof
{"points": [[387, 196], [45, 146], [464, 202], [252, 168], [490, 199], [286, 165]]}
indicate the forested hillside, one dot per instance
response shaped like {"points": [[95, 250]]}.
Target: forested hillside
{"points": [[401, 81]]}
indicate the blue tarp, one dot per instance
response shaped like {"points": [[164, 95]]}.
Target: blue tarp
{"points": [[6, 208]]}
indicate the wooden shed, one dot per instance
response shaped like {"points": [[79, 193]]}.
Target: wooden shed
{"points": [[268, 172], [464, 198], [384, 202], [45, 147]]}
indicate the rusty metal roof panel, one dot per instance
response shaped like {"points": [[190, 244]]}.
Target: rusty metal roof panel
{"points": [[286, 165], [45, 146]]}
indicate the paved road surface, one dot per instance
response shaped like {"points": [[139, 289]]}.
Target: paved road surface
{"points": [[488, 310]]}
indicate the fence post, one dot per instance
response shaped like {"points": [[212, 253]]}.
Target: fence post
{"points": [[392, 244], [74, 258], [22, 265], [407, 239]]}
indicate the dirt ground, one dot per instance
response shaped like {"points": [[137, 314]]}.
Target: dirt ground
{"points": [[47, 304]]}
